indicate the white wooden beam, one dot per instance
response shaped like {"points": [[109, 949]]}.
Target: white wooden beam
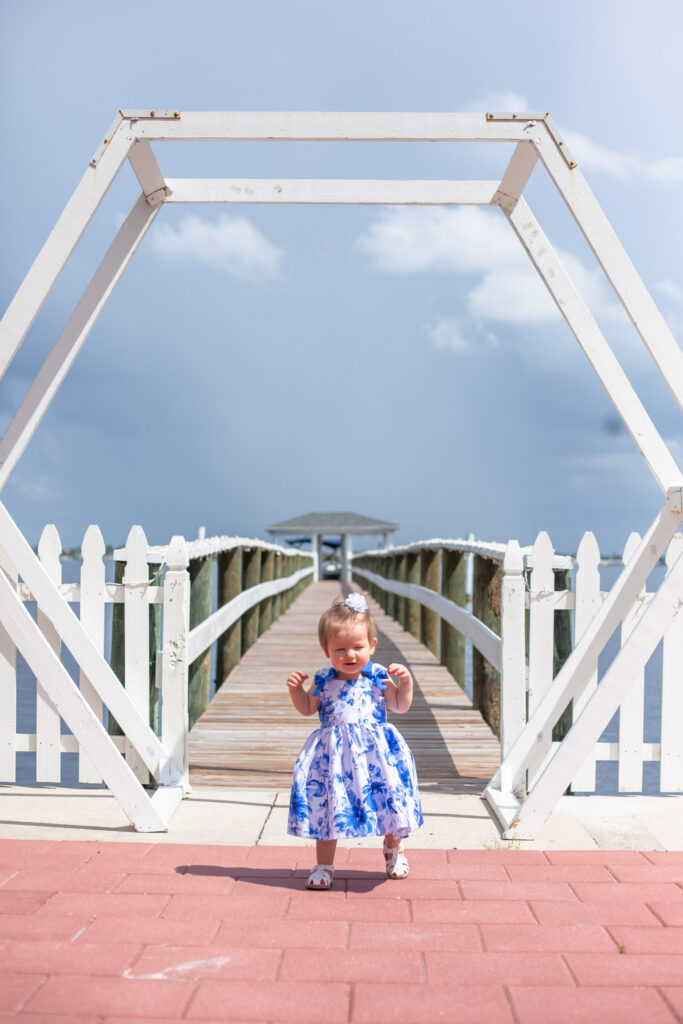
{"points": [[321, 191], [610, 253], [147, 170], [84, 651], [625, 669], [513, 183], [535, 741], [71, 340], [61, 242], [659, 459], [325, 126], [76, 712]]}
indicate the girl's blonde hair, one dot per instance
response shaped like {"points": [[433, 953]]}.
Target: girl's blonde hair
{"points": [[338, 615]]}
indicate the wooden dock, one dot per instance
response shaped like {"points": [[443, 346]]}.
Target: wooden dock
{"points": [[250, 734]]}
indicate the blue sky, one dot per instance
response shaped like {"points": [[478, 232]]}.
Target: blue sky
{"points": [[258, 363]]}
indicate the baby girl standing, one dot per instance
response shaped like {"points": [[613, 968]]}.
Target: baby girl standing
{"points": [[355, 775]]}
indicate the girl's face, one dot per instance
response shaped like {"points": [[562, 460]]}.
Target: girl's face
{"points": [[349, 649]]}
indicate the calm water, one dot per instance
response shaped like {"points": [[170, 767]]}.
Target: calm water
{"points": [[606, 771]]}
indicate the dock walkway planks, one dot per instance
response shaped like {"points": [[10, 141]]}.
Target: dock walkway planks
{"points": [[250, 734]]}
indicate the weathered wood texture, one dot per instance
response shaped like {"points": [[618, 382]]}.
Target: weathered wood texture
{"points": [[250, 735]]}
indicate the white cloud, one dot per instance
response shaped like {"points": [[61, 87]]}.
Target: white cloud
{"points": [[231, 245], [592, 156], [406, 240], [479, 243], [671, 290], [502, 103], [449, 333]]}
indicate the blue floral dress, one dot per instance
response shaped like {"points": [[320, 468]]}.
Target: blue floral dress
{"points": [[355, 775]]}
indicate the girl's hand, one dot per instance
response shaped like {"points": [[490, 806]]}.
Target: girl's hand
{"points": [[401, 673], [296, 680]]}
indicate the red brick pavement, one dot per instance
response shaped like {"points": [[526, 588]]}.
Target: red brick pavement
{"points": [[126, 933]]}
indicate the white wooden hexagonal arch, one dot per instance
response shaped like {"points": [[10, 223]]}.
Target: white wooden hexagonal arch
{"points": [[536, 139]]}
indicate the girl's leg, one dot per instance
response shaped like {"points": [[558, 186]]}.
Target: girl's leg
{"points": [[325, 850], [322, 874], [396, 862]]}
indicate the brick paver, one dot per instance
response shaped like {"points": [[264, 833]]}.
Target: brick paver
{"points": [[121, 933]]}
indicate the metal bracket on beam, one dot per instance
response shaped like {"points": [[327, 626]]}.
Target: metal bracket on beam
{"points": [[159, 196], [674, 499], [153, 115], [547, 121]]}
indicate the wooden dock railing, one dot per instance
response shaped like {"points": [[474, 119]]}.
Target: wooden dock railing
{"points": [[222, 591]]}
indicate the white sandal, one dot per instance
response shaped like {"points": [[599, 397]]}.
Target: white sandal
{"points": [[321, 877], [396, 861]]}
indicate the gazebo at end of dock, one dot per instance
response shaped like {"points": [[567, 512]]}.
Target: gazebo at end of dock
{"points": [[316, 525]]}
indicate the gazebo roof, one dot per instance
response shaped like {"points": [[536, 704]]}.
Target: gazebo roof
{"points": [[332, 522]]}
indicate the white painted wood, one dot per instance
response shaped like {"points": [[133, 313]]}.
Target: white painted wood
{"points": [[304, 126], [165, 801], [513, 656], [622, 673], [536, 739], [613, 259], [327, 190], [48, 726], [136, 636], [541, 634], [518, 171], [26, 742], [208, 631], [632, 710], [71, 340], [483, 638], [588, 600], [671, 777], [8, 689], [84, 651], [659, 459], [92, 600], [61, 242], [541, 621], [147, 170], [175, 658], [79, 716]]}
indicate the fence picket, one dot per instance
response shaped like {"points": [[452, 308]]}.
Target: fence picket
{"points": [[48, 722], [588, 600], [92, 619], [513, 658], [632, 710], [671, 773], [541, 630], [136, 616], [8, 690]]}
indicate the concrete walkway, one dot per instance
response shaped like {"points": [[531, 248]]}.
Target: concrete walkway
{"points": [[128, 932], [250, 817]]}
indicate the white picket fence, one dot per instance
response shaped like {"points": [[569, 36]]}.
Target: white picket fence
{"points": [[526, 679], [170, 590]]}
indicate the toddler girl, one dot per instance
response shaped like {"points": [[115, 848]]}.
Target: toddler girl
{"points": [[355, 775]]}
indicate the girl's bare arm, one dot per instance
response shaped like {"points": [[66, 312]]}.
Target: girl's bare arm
{"points": [[399, 697], [302, 700]]}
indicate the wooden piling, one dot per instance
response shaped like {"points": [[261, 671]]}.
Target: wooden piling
{"points": [[200, 609], [267, 574], [430, 576], [453, 588], [251, 577], [276, 607], [401, 576], [229, 649], [413, 615], [486, 607]]}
